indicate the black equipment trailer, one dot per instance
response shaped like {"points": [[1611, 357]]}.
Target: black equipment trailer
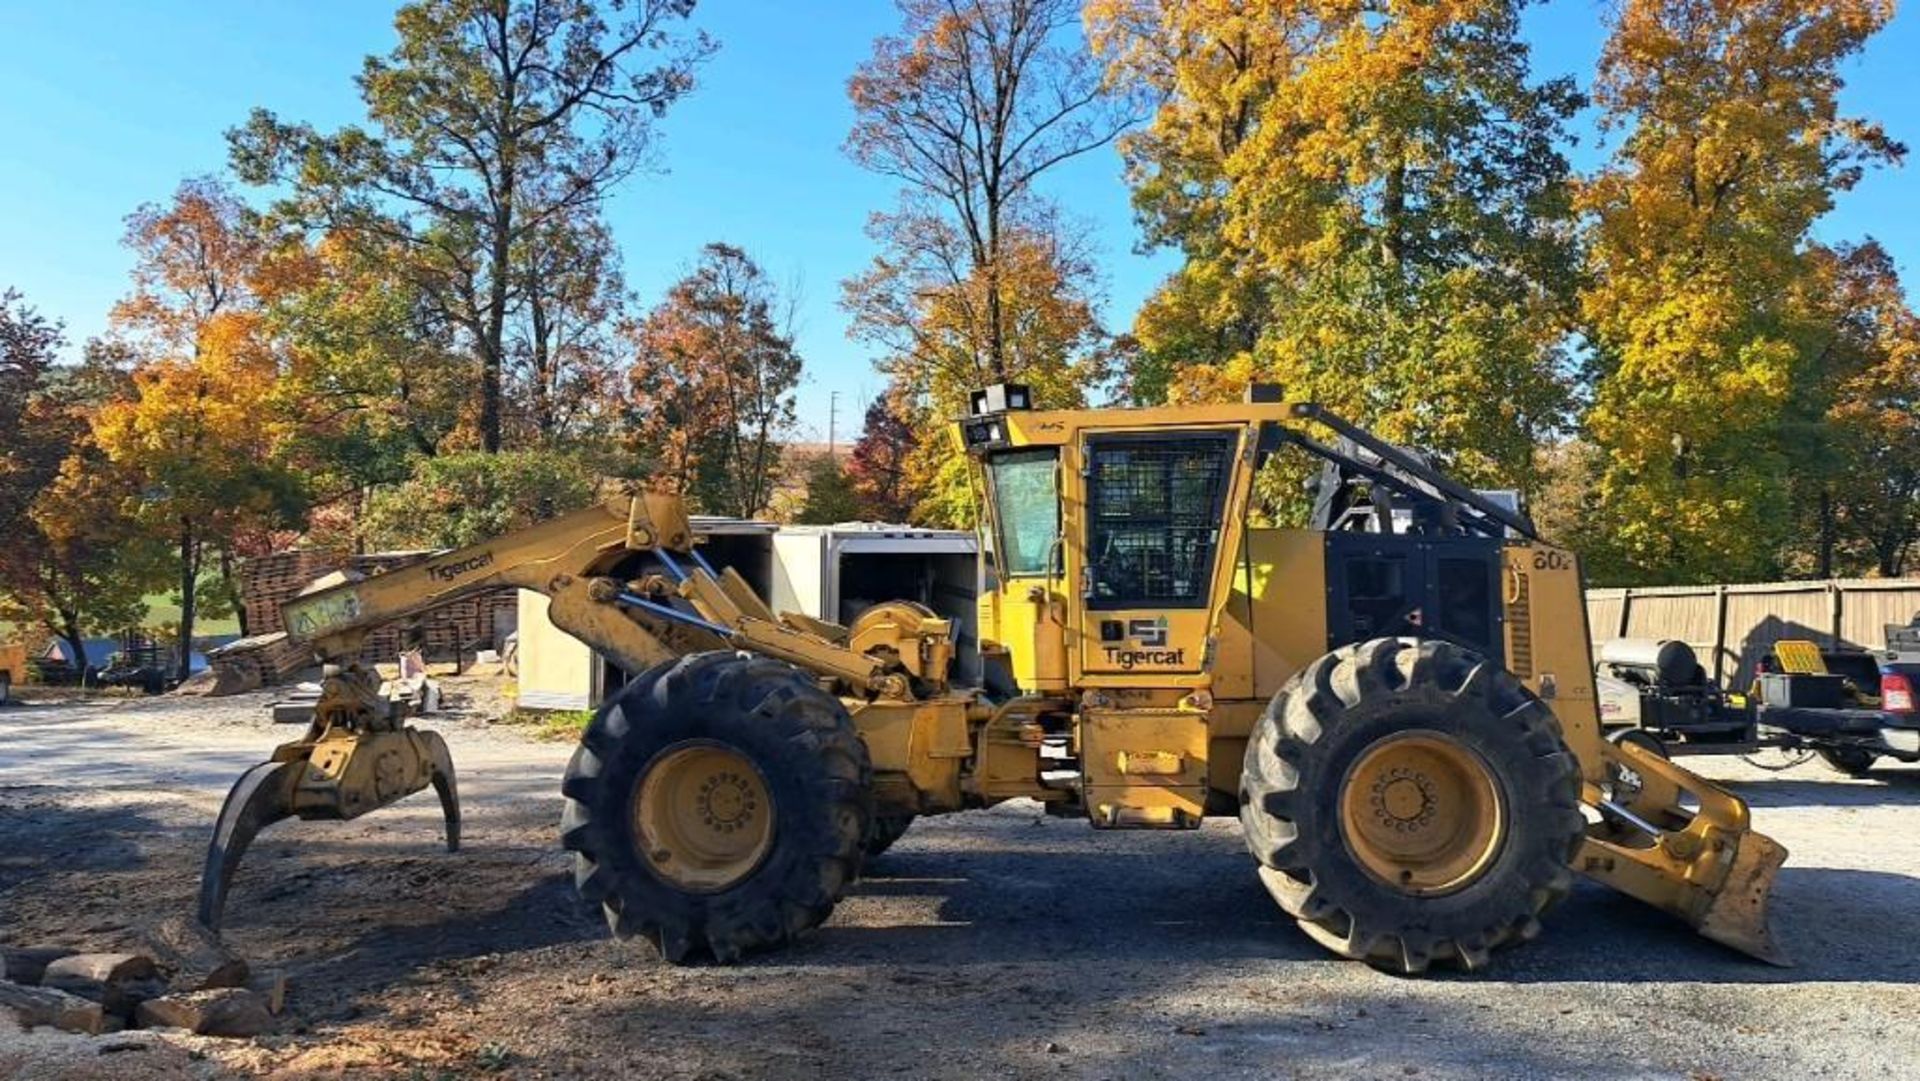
{"points": [[1657, 696]]}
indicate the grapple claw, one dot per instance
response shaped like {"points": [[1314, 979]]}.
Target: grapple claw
{"points": [[444, 785], [262, 796]]}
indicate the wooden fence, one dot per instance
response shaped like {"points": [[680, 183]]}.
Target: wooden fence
{"points": [[1732, 626]]}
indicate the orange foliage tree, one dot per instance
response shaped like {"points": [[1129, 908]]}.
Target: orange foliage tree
{"points": [[73, 563], [712, 382], [204, 430]]}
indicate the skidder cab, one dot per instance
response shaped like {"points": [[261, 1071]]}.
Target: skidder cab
{"points": [[1396, 699]]}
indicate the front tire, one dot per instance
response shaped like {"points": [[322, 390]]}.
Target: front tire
{"points": [[717, 806], [1410, 802]]}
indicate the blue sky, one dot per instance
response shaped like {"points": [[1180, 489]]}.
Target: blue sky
{"points": [[104, 106]]}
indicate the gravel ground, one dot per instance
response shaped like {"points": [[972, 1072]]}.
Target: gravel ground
{"points": [[997, 943]]}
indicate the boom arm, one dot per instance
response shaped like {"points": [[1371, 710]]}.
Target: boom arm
{"points": [[672, 605]]}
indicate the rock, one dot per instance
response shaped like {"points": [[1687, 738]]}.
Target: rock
{"points": [[50, 1006], [199, 684], [28, 965], [193, 957], [223, 1011], [115, 980]]}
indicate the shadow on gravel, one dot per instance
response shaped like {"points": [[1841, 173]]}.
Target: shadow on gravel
{"points": [[1204, 903], [1111, 1020], [40, 834], [546, 913], [1879, 789]]}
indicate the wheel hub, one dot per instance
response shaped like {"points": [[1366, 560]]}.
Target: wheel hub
{"points": [[703, 816], [1422, 812]]}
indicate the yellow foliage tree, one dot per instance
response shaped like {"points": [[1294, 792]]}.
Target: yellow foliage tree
{"points": [[1372, 207], [1733, 147], [201, 435]]}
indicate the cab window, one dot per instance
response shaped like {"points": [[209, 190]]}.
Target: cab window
{"points": [[1026, 508], [1154, 518]]}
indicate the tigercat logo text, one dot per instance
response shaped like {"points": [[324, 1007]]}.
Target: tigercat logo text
{"points": [[447, 572], [1129, 659]]}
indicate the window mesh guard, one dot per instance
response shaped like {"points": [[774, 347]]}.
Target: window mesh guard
{"points": [[1155, 519]]}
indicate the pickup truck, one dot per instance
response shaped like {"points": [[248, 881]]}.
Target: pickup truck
{"points": [[1861, 709]]}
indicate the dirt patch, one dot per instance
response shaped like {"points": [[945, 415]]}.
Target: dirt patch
{"points": [[1000, 942]]}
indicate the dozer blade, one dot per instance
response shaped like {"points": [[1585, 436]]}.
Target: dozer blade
{"points": [[338, 776], [1707, 866], [1737, 916], [262, 796]]}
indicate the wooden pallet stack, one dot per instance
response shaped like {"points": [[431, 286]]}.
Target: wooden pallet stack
{"points": [[442, 634]]}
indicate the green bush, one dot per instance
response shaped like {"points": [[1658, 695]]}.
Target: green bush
{"points": [[454, 500]]}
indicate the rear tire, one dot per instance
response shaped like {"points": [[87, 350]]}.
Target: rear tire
{"points": [[732, 737], [1471, 772]]}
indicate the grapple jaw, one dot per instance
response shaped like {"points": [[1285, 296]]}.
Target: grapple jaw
{"points": [[337, 774], [1707, 866], [259, 798]]}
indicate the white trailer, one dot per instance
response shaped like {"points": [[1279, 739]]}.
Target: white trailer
{"points": [[831, 572]]}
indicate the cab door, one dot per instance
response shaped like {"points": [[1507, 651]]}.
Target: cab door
{"points": [[1158, 520]]}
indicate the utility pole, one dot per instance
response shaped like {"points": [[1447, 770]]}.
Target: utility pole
{"points": [[833, 413]]}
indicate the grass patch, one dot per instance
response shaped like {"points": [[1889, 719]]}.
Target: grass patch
{"points": [[551, 725], [163, 613]]}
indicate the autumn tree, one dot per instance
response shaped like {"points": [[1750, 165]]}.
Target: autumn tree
{"points": [[1853, 424], [71, 564], [877, 465], [492, 124], [38, 433], [968, 106], [712, 381], [564, 354], [1372, 207], [194, 258], [979, 277], [931, 310], [202, 436], [196, 261], [1733, 146], [370, 381]]}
